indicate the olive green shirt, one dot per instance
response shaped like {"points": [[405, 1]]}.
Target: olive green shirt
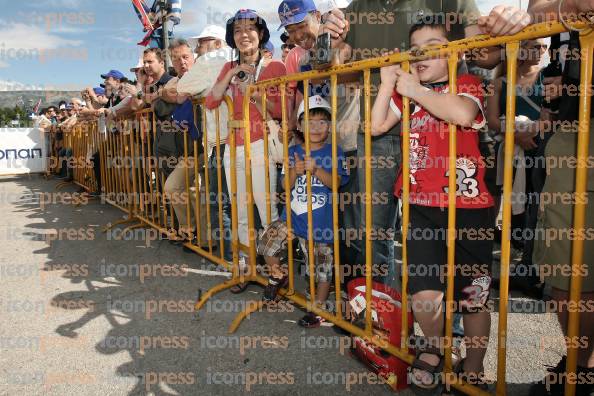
{"points": [[378, 26]]}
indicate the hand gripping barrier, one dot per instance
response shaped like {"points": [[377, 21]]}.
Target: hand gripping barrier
{"points": [[451, 52]]}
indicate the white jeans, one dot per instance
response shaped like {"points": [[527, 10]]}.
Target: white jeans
{"points": [[258, 184]]}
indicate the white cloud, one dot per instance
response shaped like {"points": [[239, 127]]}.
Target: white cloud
{"points": [[7, 85], [21, 36], [59, 3], [19, 41]]}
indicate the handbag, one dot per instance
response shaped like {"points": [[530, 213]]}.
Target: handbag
{"points": [[275, 146]]}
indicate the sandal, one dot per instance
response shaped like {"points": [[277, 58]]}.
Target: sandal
{"points": [[435, 387], [274, 285], [458, 371], [239, 288], [310, 321]]}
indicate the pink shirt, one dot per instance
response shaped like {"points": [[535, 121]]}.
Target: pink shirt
{"points": [[293, 62], [274, 69]]}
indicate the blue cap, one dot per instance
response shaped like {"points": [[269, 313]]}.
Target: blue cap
{"points": [[246, 14], [291, 12], [269, 46], [99, 91], [118, 75]]}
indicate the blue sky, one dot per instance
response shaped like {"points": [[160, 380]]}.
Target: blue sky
{"points": [[67, 44]]}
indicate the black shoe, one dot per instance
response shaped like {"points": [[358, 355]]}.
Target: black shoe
{"points": [[340, 331], [274, 285], [177, 242], [310, 320], [553, 384], [529, 288]]}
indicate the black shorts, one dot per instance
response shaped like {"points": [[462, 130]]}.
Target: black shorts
{"points": [[427, 254], [489, 153]]}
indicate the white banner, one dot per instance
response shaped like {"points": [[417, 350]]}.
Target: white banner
{"points": [[21, 151]]}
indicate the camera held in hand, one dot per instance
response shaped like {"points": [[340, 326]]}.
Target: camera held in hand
{"points": [[244, 77], [321, 54]]}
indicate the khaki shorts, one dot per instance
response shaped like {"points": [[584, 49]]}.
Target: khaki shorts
{"points": [[554, 231]]}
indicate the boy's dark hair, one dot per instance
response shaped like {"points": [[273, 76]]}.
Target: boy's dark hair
{"points": [[312, 112], [318, 111], [429, 21]]}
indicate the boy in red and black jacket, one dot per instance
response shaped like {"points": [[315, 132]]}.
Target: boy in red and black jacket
{"points": [[433, 108]]}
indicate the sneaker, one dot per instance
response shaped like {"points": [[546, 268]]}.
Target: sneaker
{"points": [[310, 320], [274, 285]]}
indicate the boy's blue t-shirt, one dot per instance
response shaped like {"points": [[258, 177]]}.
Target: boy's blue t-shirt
{"points": [[321, 195]]}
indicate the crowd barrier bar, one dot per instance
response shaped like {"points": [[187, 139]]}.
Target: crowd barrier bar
{"points": [[581, 174], [141, 179], [196, 247], [451, 51]]}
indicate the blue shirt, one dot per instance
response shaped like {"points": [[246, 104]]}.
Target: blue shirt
{"points": [[183, 116], [322, 89], [321, 195]]}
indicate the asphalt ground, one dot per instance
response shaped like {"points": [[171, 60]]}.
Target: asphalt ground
{"points": [[79, 317]]}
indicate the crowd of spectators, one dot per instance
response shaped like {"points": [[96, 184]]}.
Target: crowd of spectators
{"points": [[224, 60]]}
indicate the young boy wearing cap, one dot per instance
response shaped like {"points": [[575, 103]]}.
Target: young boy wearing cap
{"points": [[427, 86], [273, 242]]}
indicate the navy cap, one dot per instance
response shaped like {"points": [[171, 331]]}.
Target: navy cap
{"points": [[246, 14], [118, 75], [291, 12], [99, 91]]}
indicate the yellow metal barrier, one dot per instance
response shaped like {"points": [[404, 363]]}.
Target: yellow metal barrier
{"points": [[137, 187], [451, 51]]}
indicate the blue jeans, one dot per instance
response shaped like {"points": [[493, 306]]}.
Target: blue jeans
{"points": [[219, 227], [349, 219], [386, 159]]}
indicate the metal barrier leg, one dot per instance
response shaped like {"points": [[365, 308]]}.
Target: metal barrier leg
{"points": [[214, 290], [252, 306], [135, 226]]}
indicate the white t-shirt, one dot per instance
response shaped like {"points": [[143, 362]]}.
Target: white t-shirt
{"points": [[199, 80]]}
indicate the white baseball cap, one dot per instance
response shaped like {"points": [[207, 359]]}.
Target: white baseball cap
{"points": [[139, 65], [325, 6], [214, 31], [315, 102]]}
